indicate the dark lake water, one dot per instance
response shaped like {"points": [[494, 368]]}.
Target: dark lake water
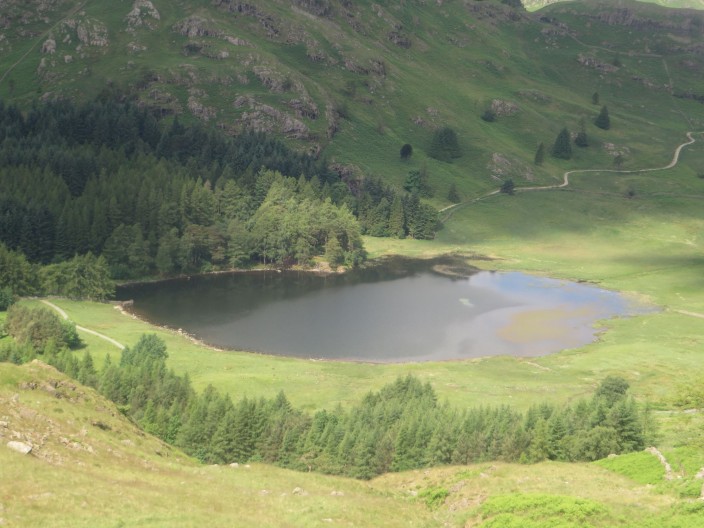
{"points": [[394, 313]]}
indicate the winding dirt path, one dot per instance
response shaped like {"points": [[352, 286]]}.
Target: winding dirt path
{"points": [[63, 314], [566, 178]]}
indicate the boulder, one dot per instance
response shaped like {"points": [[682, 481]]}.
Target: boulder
{"points": [[20, 447]]}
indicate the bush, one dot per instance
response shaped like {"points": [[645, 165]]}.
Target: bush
{"points": [[489, 115], [434, 497], [7, 299], [508, 187], [444, 145], [37, 327]]}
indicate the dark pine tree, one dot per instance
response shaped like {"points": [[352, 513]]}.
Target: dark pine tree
{"points": [[603, 121], [562, 148], [453, 194]]}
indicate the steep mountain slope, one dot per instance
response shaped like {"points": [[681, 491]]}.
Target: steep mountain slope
{"points": [[355, 81]]}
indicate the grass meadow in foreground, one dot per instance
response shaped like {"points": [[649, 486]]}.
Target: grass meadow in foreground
{"points": [[91, 467]]}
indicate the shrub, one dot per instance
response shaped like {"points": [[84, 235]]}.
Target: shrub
{"points": [[37, 327], [444, 145], [434, 497], [6, 299], [489, 115]]}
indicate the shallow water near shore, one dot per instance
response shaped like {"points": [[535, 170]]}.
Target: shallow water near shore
{"points": [[398, 312]]}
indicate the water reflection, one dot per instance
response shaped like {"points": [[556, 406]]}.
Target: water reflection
{"points": [[391, 313]]}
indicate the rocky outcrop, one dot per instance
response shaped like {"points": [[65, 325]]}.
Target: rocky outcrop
{"points": [[264, 118], [592, 62], [49, 46], [274, 80], [333, 118], [502, 167], [199, 110], [304, 108], [195, 26], [268, 22], [236, 41], [90, 32], [503, 108], [143, 14], [20, 447]]}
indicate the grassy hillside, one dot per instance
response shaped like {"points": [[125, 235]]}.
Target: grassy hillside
{"points": [[356, 81], [90, 467]]}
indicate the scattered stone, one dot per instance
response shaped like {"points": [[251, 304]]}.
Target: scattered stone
{"points": [[68, 59], [234, 465], [236, 41], [4, 424], [337, 494], [49, 46], [501, 167], [615, 150], [299, 491], [591, 62], [504, 108], [247, 466], [20, 447], [264, 492], [700, 474]]}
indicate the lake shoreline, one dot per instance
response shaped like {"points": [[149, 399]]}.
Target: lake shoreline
{"points": [[457, 266], [507, 331]]}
